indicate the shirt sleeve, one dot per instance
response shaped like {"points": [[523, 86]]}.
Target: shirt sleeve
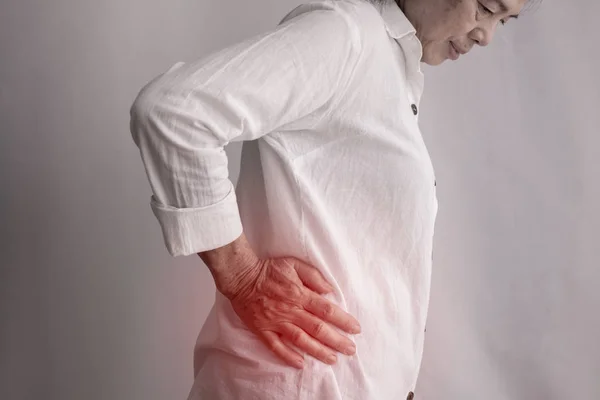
{"points": [[182, 119]]}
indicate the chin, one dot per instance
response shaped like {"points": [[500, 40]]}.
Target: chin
{"points": [[432, 59]]}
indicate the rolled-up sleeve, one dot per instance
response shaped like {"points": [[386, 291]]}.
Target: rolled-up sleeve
{"points": [[182, 119]]}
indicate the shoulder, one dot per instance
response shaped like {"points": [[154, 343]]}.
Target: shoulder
{"points": [[360, 20], [363, 13]]}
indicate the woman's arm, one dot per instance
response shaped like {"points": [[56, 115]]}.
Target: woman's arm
{"points": [[182, 120]]}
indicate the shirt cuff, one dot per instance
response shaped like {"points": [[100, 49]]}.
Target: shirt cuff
{"points": [[192, 230]]}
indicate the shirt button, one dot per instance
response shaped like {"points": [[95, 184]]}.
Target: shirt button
{"points": [[410, 396], [414, 108]]}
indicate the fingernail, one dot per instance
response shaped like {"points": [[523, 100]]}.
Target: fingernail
{"points": [[350, 350], [299, 363], [355, 328], [331, 359]]}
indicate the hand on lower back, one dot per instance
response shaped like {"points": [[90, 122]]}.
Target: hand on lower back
{"points": [[281, 301]]}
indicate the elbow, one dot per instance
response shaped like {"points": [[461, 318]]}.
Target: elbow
{"points": [[140, 114], [158, 115], [151, 98]]}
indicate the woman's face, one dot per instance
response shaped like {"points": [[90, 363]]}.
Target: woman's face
{"points": [[449, 28]]}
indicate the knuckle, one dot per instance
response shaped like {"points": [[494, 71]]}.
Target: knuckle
{"points": [[294, 291], [296, 337], [311, 303], [328, 310], [318, 328]]}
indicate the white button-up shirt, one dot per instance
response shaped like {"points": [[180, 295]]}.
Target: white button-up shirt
{"points": [[334, 171]]}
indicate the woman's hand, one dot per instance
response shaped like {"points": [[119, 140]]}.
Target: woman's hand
{"points": [[280, 301]]}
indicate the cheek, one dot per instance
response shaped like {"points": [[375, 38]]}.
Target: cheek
{"points": [[462, 18]]}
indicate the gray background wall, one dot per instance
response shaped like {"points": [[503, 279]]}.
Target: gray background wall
{"points": [[91, 305]]}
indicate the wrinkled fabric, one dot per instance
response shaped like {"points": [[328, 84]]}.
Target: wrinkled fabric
{"points": [[334, 171]]}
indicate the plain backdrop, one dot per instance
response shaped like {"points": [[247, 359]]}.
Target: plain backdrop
{"points": [[92, 306]]}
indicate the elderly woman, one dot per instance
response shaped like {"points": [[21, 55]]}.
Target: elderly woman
{"points": [[322, 254]]}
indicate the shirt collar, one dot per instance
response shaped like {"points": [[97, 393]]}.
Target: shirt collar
{"points": [[396, 22], [405, 34]]}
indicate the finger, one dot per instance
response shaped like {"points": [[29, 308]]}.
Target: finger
{"points": [[329, 312], [284, 352], [312, 278], [305, 342], [324, 333]]}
